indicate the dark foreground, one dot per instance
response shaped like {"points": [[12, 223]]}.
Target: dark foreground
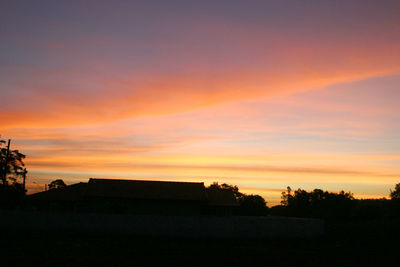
{"points": [[357, 243]]}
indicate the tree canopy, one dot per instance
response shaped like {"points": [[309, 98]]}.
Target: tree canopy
{"points": [[12, 165], [248, 204], [317, 203], [233, 188], [395, 194], [59, 183]]}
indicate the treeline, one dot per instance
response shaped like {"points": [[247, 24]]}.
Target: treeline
{"points": [[317, 204], [298, 203], [329, 205]]}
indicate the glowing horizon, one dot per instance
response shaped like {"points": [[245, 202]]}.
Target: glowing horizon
{"points": [[263, 95]]}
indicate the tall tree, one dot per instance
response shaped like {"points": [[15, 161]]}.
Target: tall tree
{"points": [[12, 166]]}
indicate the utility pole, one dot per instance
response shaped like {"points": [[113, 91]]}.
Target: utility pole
{"points": [[24, 178], [4, 178]]}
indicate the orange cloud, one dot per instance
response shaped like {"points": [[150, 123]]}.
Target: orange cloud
{"points": [[86, 95]]}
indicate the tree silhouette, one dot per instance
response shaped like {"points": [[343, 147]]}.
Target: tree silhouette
{"points": [[59, 183], [317, 203], [286, 196], [248, 204], [233, 188], [395, 194], [12, 165], [253, 205]]}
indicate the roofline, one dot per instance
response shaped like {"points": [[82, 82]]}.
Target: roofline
{"points": [[50, 190], [131, 180]]}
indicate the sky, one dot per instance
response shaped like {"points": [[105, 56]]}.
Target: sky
{"points": [[259, 94]]}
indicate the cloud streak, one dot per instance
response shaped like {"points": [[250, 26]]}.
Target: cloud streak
{"points": [[192, 65]]}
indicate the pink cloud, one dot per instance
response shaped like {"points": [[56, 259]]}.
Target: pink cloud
{"points": [[253, 63]]}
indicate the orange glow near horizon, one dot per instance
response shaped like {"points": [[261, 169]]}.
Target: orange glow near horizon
{"points": [[260, 95]]}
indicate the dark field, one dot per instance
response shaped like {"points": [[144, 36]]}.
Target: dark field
{"points": [[355, 243]]}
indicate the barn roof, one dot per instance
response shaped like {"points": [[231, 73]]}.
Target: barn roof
{"points": [[138, 189]]}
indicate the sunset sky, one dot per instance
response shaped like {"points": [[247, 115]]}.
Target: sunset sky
{"points": [[260, 94]]}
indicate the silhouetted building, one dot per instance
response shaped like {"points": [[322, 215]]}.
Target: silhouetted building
{"points": [[67, 198], [137, 197]]}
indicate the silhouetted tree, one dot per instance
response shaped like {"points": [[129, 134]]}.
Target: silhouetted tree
{"points": [[233, 188], [59, 183], [248, 204], [317, 203], [253, 205], [286, 196], [395, 194], [12, 169], [12, 165]]}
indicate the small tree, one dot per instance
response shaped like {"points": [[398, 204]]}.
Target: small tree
{"points": [[59, 183], [253, 205], [395, 194]]}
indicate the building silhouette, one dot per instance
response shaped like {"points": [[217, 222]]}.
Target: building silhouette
{"points": [[136, 197]]}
